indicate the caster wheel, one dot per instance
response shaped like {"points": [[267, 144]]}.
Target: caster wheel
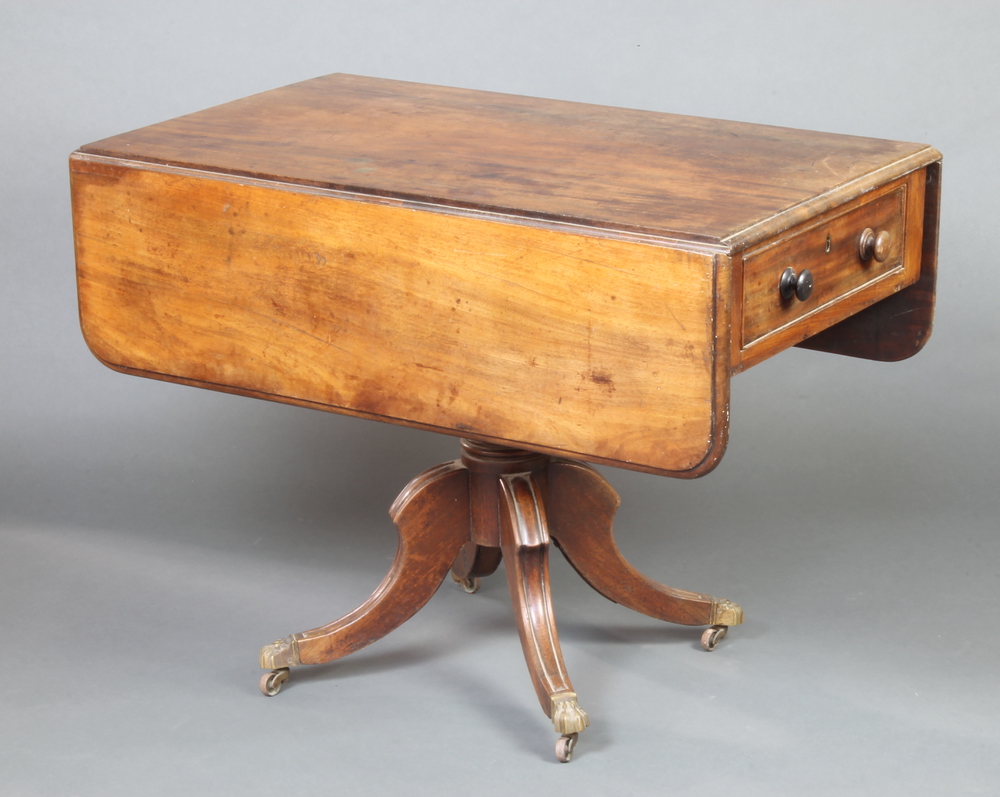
{"points": [[564, 747], [470, 585], [270, 682], [713, 636]]}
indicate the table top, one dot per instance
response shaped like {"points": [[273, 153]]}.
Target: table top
{"points": [[566, 278], [702, 180]]}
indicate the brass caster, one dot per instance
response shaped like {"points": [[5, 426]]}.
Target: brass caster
{"points": [[270, 682], [470, 585], [713, 636], [564, 747]]}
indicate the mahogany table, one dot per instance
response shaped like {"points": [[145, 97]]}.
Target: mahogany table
{"points": [[555, 283]]}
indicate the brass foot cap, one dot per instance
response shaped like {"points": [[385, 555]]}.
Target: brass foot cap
{"points": [[727, 613], [283, 653], [567, 716]]}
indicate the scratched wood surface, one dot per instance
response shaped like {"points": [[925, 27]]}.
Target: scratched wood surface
{"points": [[553, 275], [579, 345], [701, 179]]}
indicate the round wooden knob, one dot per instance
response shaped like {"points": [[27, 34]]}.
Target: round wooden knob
{"points": [[882, 243], [798, 285], [874, 245]]}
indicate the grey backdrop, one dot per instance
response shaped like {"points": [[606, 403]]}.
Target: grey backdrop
{"points": [[153, 536]]}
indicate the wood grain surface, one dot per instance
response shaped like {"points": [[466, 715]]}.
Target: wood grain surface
{"points": [[689, 177], [579, 345], [899, 326], [548, 275], [844, 282]]}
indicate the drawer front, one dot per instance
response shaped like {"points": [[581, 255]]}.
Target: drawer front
{"points": [[829, 250]]}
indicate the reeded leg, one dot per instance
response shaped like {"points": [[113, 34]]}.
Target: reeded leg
{"points": [[524, 540], [432, 517], [502, 503], [581, 508]]}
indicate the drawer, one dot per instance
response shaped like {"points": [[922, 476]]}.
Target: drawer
{"points": [[828, 253]]}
